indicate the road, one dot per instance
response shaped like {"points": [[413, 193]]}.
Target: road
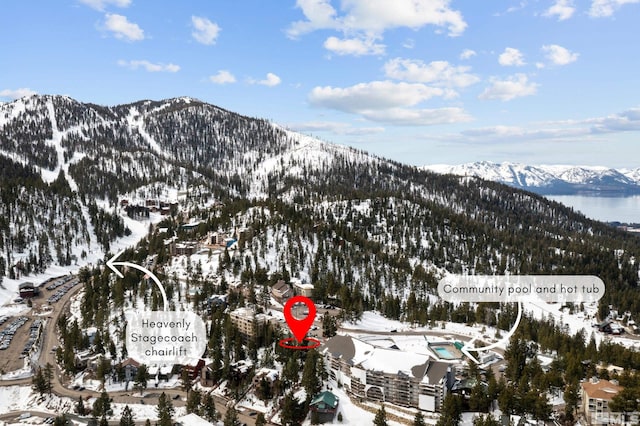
{"points": [[47, 355], [50, 340]]}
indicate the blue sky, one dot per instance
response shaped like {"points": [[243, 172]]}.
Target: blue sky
{"points": [[418, 81]]}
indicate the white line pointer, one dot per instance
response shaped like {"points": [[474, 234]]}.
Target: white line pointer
{"points": [[468, 347], [111, 264]]}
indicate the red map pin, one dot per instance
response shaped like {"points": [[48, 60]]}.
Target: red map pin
{"points": [[299, 327]]}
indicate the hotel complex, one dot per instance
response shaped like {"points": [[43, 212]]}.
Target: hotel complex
{"points": [[388, 375]]}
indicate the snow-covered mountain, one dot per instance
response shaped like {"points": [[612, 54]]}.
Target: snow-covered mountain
{"points": [[550, 179], [331, 213]]}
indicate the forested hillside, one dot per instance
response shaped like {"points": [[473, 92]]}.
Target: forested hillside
{"points": [[376, 230]]}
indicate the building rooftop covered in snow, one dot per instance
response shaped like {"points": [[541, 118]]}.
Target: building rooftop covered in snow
{"points": [[390, 375]]}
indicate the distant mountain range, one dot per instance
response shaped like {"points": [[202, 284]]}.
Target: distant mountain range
{"points": [[551, 179]]}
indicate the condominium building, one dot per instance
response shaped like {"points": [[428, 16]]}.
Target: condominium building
{"points": [[247, 321], [388, 375], [596, 396]]}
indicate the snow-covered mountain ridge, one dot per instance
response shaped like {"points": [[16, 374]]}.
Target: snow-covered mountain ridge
{"points": [[550, 179], [91, 160]]}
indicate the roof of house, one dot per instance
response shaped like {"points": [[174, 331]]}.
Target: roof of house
{"points": [[193, 420], [391, 361], [130, 361], [305, 286], [436, 370], [281, 286], [327, 398], [267, 373], [602, 389]]}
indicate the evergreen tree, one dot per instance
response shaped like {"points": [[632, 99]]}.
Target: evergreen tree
{"points": [[260, 420], [209, 408], [479, 398], [329, 326], [127, 417], [186, 380], [48, 378], [291, 369], [626, 401], [381, 417], [104, 421], [418, 420], [487, 420], [102, 405], [193, 402], [38, 382], [60, 420], [140, 381], [310, 379], [231, 417], [80, 409], [288, 413], [165, 410], [451, 411]]}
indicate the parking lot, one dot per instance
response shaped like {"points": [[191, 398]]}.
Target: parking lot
{"points": [[15, 334], [19, 334], [59, 287]]}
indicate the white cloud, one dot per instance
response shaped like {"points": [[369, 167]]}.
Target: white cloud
{"points": [[512, 9], [16, 93], [625, 121], [409, 43], [559, 55], [354, 46], [122, 29], [467, 54], [270, 81], [319, 13], [566, 130], [439, 73], [204, 31], [376, 16], [149, 66], [563, 9], [388, 102], [513, 87], [502, 133], [372, 95], [603, 8], [102, 4], [418, 117], [335, 127], [511, 57], [222, 77]]}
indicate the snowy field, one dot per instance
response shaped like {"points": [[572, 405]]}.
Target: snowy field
{"points": [[9, 287], [23, 398]]}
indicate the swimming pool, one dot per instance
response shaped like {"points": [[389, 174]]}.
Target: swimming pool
{"points": [[443, 352]]}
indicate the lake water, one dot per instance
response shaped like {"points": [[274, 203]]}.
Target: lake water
{"points": [[605, 209]]}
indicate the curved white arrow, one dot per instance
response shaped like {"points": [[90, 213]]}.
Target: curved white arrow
{"points": [[468, 347], [111, 264]]}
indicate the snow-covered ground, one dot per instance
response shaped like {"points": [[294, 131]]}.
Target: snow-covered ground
{"points": [[23, 398], [375, 322], [573, 323], [139, 228]]}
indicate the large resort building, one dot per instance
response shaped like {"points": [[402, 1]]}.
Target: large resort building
{"points": [[388, 375], [247, 321]]}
